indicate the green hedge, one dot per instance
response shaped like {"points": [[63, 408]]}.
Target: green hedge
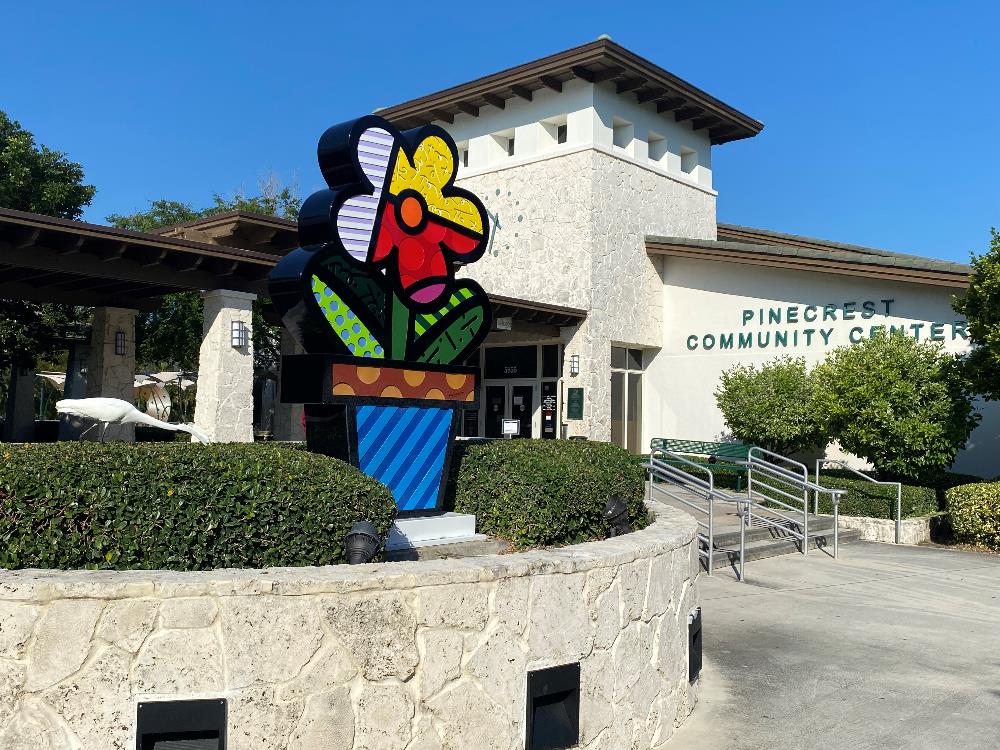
{"points": [[536, 493], [179, 506], [876, 501], [974, 511]]}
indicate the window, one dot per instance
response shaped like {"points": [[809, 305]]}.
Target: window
{"points": [[465, 157], [501, 146], [553, 132], [463, 153], [689, 160], [622, 134], [657, 148], [626, 398]]}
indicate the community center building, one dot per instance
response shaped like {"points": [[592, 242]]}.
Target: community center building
{"points": [[596, 168], [618, 298]]}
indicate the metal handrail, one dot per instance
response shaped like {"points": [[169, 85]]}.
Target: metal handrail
{"points": [[898, 486], [657, 468], [794, 475]]}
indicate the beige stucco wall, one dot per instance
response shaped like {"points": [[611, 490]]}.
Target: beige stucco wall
{"points": [[709, 297], [572, 232], [417, 655]]}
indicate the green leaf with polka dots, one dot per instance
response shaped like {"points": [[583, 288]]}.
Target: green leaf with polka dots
{"points": [[342, 319]]}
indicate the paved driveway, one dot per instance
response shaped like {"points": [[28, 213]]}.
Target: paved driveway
{"points": [[889, 647]]}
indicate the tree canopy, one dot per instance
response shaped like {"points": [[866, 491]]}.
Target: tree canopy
{"points": [[170, 336], [902, 404], [37, 179], [981, 308], [771, 405]]}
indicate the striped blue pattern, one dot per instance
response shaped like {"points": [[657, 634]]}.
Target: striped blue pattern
{"points": [[404, 447]]}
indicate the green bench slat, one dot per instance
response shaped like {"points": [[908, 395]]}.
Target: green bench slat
{"points": [[702, 448]]}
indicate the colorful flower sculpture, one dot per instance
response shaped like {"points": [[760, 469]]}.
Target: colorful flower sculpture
{"points": [[373, 290]]}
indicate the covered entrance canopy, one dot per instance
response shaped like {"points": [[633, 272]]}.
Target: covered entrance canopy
{"points": [[44, 259], [227, 257]]}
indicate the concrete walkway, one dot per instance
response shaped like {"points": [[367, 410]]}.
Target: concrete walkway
{"points": [[888, 648]]}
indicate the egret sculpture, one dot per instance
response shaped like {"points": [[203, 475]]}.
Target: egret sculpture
{"points": [[107, 411]]}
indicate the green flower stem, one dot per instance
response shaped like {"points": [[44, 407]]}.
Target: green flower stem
{"points": [[400, 328]]}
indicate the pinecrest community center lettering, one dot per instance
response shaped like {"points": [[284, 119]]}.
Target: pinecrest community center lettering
{"points": [[799, 315]]}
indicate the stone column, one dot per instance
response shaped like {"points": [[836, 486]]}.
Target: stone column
{"points": [[224, 402], [19, 420], [288, 417], [110, 374], [76, 387]]}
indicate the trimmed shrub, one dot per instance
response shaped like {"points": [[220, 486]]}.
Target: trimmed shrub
{"points": [[179, 506], [902, 404], [874, 500], [974, 510], [771, 405], [534, 493]]}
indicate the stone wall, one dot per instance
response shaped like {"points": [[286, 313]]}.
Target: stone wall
{"points": [[911, 530], [421, 655], [572, 232]]}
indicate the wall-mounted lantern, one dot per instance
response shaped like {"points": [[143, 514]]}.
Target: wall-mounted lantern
{"points": [[120, 346], [240, 334], [574, 364]]}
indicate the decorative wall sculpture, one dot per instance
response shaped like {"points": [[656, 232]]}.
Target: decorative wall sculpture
{"points": [[371, 295]]}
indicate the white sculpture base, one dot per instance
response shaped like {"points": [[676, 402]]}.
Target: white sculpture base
{"points": [[424, 531]]}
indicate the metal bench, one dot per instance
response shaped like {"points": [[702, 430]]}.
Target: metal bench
{"points": [[726, 458]]}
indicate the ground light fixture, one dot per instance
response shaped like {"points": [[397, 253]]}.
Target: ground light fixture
{"points": [[362, 543], [181, 725], [694, 644], [553, 704], [615, 515], [240, 334], [120, 346]]}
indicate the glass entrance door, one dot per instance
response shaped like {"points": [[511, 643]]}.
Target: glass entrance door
{"points": [[511, 400]]}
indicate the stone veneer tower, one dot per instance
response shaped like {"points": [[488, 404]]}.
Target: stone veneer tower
{"points": [[578, 158]]}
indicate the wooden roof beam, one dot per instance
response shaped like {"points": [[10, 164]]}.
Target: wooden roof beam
{"points": [[25, 238], [581, 72], [552, 83], [704, 122], [669, 105], [522, 91], [629, 84], [470, 109], [687, 113], [497, 101], [440, 114], [648, 95]]}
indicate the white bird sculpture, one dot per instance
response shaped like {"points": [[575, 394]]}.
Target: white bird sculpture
{"points": [[108, 411]]}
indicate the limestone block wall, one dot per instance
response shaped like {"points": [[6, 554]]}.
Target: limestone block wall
{"points": [[108, 374], [420, 655], [224, 405]]}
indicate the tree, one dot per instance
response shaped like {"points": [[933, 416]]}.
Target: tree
{"points": [[771, 405], [34, 178], [981, 308], [170, 336], [903, 405]]}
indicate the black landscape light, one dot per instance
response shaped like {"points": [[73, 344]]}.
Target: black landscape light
{"points": [[553, 720], [362, 543], [694, 644], [181, 725], [615, 515]]}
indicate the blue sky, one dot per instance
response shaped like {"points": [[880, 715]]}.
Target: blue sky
{"points": [[882, 120]]}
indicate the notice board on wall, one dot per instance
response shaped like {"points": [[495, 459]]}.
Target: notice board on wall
{"points": [[574, 403]]}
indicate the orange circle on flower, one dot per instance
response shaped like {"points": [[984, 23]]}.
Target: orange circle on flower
{"points": [[411, 212]]}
